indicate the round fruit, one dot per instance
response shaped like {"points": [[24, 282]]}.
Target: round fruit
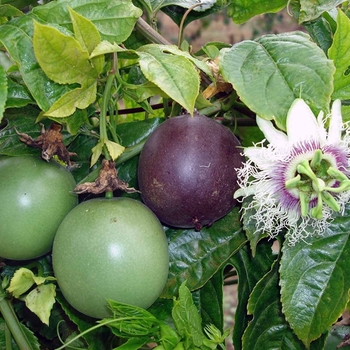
{"points": [[110, 249], [35, 196], [187, 173]]}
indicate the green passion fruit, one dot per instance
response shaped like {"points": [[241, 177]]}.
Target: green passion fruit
{"points": [[35, 196], [110, 249], [187, 173]]}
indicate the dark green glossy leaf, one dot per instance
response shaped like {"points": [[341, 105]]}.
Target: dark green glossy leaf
{"points": [[209, 300], [18, 95], [270, 72], [196, 256], [340, 53], [97, 340], [3, 91], [321, 33], [314, 280], [250, 270], [242, 10], [16, 35], [268, 328]]}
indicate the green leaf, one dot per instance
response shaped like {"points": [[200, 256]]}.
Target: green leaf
{"points": [[339, 52], [9, 11], [114, 149], [22, 281], [187, 319], [114, 19], [269, 73], [321, 33], [175, 75], [16, 36], [310, 9], [40, 301], [250, 270], [209, 299], [3, 91], [97, 340], [314, 280], [268, 329], [242, 10], [196, 256], [61, 57], [87, 35], [17, 95], [78, 98]]}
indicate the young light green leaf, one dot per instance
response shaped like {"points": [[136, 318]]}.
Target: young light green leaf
{"points": [[87, 35], [22, 280], [269, 73], [96, 152], [175, 75], [339, 52], [314, 280], [268, 329], [310, 10], [40, 301], [242, 10], [78, 98], [61, 57], [3, 91], [105, 47], [114, 149], [114, 19], [187, 319]]}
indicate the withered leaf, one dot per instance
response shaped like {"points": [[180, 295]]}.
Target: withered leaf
{"points": [[50, 142], [107, 181]]}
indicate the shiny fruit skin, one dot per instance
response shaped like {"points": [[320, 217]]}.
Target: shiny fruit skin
{"points": [[35, 196], [187, 173], [110, 249]]}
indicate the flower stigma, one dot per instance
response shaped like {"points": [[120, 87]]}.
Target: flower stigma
{"points": [[301, 177]]}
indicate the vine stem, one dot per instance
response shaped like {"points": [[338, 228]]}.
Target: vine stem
{"points": [[93, 328], [13, 324]]}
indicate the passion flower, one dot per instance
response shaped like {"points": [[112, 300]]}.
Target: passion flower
{"points": [[301, 177]]}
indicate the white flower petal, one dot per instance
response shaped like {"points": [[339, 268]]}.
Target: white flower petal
{"points": [[322, 130], [273, 135], [259, 156], [301, 123], [336, 123]]}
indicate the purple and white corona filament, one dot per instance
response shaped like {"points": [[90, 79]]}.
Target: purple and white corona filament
{"points": [[301, 177]]}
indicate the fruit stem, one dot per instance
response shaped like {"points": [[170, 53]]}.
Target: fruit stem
{"points": [[12, 322]]}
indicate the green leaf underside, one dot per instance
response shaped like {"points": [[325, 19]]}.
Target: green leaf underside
{"points": [[339, 52], [310, 10], [174, 74], [314, 280], [196, 256], [269, 73]]}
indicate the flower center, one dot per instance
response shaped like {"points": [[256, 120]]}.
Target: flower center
{"points": [[316, 178]]}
